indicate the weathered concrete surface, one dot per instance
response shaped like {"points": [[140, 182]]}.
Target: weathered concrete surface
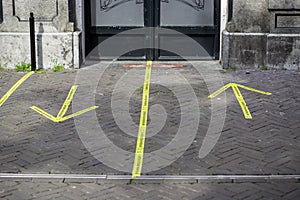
{"points": [[245, 50], [263, 33], [283, 51], [250, 17], [285, 22], [56, 41], [51, 49], [284, 4], [259, 16], [55, 17], [285, 16], [275, 51], [288, 21]]}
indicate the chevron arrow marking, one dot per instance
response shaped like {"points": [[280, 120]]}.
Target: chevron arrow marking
{"points": [[239, 96], [61, 114]]}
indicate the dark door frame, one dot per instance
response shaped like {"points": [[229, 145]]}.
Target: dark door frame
{"points": [[152, 19], [193, 31], [94, 31]]}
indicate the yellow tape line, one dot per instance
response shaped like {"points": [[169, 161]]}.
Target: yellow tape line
{"points": [[242, 102], [44, 113], [11, 90], [253, 90], [78, 113], [60, 116], [140, 144], [67, 102], [222, 89], [55, 119]]}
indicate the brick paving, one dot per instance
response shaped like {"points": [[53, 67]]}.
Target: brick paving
{"points": [[45, 189], [268, 144]]}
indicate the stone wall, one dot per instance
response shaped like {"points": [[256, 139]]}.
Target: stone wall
{"points": [[263, 33], [56, 41], [245, 50], [250, 16]]}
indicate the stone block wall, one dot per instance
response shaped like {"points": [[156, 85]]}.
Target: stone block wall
{"points": [[246, 50], [56, 40], [283, 51], [263, 33], [250, 16]]}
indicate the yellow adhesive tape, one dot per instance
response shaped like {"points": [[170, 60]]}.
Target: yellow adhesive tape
{"points": [[242, 102], [222, 89], [140, 144], [60, 117], [14, 87], [253, 90], [67, 102]]}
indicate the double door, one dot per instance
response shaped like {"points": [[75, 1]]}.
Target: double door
{"points": [[198, 19]]}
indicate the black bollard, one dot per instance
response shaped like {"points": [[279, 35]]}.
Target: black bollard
{"points": [[32, 42]]}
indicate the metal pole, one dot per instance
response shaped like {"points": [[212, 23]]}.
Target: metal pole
{"points": [[32, 42]]}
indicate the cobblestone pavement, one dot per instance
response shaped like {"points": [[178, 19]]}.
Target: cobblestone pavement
{"points": [[267, 144], [45, 189]]}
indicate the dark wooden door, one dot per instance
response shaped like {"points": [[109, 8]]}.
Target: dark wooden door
{"points": [[198, 19]]}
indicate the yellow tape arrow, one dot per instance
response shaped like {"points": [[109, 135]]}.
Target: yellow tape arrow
{"points": [[239, 96], [60, 116]]}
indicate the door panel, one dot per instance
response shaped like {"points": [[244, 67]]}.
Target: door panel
{"points": [[186, 13], [175, 41], [198, 19], [106, 18], [117, 13], [122, 41]]}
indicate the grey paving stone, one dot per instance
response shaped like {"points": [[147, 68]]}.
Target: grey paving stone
{"points": [[268, 144]]}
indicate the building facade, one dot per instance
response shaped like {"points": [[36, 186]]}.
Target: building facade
{"points": [[263, 33], [241, 33]]}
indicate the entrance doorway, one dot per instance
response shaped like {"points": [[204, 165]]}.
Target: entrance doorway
{"points": [[198, 19]]}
